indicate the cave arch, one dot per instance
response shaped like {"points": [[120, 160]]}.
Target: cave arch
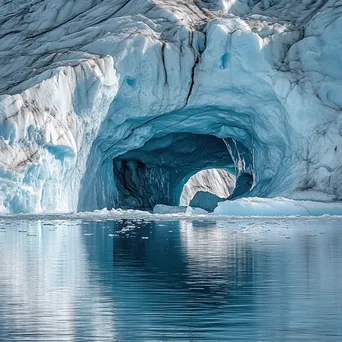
{"points": [[247, 141], [157, 172]]}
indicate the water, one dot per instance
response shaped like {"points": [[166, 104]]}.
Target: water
{"points": [[139, 280]]}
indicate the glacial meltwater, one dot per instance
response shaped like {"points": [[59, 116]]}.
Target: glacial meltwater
{"points": [[146, 279]]}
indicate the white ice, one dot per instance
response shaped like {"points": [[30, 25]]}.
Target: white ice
{"points": [[276, 207]]}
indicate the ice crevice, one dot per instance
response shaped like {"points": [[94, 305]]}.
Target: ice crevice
{"points": [[108, 104]]}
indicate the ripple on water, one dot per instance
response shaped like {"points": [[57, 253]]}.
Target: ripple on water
{"points": [[188, 280]]}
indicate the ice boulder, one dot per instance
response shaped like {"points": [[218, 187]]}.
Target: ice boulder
{"points": [[205, 200]]}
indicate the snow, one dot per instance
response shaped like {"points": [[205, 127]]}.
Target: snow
{"points": [[83, 83]]}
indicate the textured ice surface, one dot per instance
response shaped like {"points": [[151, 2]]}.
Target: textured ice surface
{"points": [[215, 181], [83, 83]]}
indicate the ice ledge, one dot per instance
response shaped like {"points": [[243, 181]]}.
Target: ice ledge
{"points": [[276, 207]]}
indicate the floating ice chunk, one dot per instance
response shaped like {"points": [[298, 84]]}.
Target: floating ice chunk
{"points": [[205, 200], [167, 209], [255, 206], [196, 211]]}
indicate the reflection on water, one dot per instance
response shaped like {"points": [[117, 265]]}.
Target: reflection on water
{"points": [[138, 280]]}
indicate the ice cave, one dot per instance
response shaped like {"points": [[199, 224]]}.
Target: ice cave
{"points": [[157, 172], [110, 104]]}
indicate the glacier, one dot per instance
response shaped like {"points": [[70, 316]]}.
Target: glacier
{"points": [[107, 104]]}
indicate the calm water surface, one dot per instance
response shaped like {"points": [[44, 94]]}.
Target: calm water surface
{"points": [[140, 280]]}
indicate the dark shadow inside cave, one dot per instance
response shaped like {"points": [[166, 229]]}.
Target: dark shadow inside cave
{"points": [[156, 172]]}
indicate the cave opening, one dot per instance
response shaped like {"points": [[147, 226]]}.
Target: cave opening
{"points": [[207, 187], [159, 172]]}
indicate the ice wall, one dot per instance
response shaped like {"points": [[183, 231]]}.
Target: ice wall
{"points": [[83, 83], [46, 135]]}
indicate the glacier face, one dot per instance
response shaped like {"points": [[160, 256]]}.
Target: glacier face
{"points": [[47, 133], [87, 86]]}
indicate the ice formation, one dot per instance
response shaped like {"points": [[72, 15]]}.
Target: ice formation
{"points": [[90, 90], [205, 200], [168, 209], [218, 182], [276, 207]]}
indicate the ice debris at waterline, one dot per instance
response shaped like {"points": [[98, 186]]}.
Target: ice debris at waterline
{"points": [[91, 89], [255, 206], [167, 209], [276, 207]]}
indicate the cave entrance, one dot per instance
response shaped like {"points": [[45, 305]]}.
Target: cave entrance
{"points": [[157, 172], [208, 187]]}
